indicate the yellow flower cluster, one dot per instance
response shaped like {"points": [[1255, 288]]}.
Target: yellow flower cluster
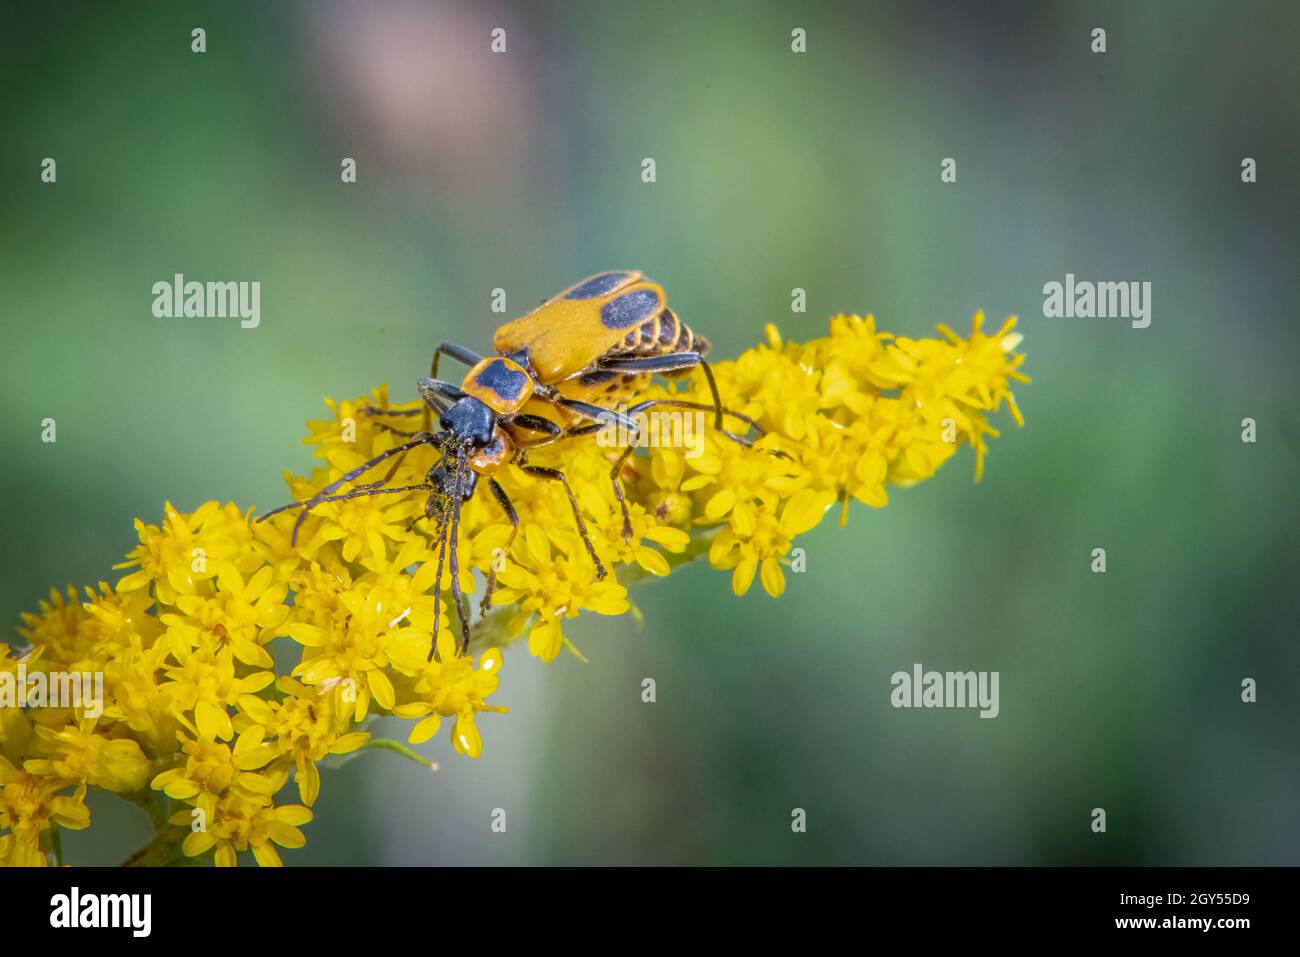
{"points": [[198, 727]]}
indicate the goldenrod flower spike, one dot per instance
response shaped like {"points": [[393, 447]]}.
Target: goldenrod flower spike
{"points": [[196, 725]]}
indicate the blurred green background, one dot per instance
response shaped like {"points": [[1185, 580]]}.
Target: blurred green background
{"points": [[775, 170]]}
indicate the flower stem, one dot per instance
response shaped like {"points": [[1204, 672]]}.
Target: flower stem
{"points": [[149, 802], [164, 849], [56, 845], [388, 744]]}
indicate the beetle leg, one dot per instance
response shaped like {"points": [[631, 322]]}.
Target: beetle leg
{"points": [[542, 471], [372, 410], [508, 507], [676, 362], [616, 470], [459, 353]]}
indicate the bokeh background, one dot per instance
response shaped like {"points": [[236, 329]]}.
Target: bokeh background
{"points": [[775, 170]]}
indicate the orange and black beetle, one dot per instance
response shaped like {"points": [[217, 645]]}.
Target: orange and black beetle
{"points": [[599, 340]]}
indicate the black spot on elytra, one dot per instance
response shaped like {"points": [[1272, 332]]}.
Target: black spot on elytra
{"points": [[630, 308], [597, 286]]}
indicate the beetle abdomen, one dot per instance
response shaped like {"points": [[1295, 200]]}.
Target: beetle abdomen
{"points": [[662, 335]]}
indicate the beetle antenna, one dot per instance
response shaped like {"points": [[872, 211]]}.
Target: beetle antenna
{"points": [[461, 469], [326, 494], [449, 528], [437, 583]]}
